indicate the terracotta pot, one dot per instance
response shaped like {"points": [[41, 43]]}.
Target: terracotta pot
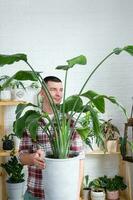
{"points": [[113, 195], [112, 146]]}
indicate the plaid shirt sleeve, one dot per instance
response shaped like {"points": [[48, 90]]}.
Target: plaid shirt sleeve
{"points": [[77, 145]]}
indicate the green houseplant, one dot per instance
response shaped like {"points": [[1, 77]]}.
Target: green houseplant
{"points": [[15, 181], [72, 104], [5, 93], [86, 188], [98, 186], [60, 140], [8, 142], [111, 135], [113, 186], [9, 85]]}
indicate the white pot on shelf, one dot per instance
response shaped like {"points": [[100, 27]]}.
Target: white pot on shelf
{"points": [[17, 94], [5, 95], [97, 195], [15, 191]]}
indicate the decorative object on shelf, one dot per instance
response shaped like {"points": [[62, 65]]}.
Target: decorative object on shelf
{"points": [[126, 142], [111, 136], [72, 105], [86, 189], [8, 142], [15, 181]]}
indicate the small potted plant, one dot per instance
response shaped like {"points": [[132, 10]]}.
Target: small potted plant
{"points": [[8, 142], [15, 181], [86, 188], [98, 188], [17, 89], [111, 135], [113, 186]]}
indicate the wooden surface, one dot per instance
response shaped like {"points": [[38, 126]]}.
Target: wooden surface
{"points": [[100, 152], [10, 103], [4, 154]]}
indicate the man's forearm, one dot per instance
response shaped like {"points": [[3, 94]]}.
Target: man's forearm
{"points": [[36, 159], [26, 158]]}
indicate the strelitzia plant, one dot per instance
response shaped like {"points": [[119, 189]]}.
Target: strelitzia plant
{"points": [[62, 123]]}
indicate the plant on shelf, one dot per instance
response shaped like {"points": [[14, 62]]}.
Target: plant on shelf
{"points": [[86, 188], [14, 169], [98, 186], [111, 135], [10, 86], [113, 186], [110, 131], [5, 93], [8, 142], [15, 181], [73, 105]]}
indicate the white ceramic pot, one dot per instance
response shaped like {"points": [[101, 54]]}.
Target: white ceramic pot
{"points": [[97, 195], [60, 178], [5, 95], [15, 191], [17, 94]]}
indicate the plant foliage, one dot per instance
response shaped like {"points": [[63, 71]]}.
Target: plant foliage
{"points": [[62, 124]]}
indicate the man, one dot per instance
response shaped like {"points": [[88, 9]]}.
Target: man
{"points": [[30, 155]]}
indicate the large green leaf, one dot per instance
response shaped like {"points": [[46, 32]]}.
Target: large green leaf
{"points": [[26, 75], [10, 59], [70, 102], [21, 107], [21, 76], [97, 99], [113, 100], [129, 49], [81, 60], [32, 124], [83, 132], [95, 121], [19, 125]]}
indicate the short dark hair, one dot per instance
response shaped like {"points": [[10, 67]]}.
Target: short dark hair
{"points": [[51, 78]]}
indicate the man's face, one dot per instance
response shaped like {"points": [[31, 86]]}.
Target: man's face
{"points": [[56, 91]]}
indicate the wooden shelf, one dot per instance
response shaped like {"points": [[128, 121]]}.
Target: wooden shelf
{"points": [[98, 152], [10, 103], [6, 153]]}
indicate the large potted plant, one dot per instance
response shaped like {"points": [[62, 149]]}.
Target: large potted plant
{"points": [[60, 141], [15, 181]]}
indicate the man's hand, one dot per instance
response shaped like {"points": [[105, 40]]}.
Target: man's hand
{"points": [[38, 159]]}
